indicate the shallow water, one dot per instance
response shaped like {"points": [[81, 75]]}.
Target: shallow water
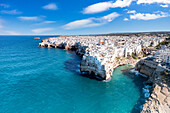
{"points": [[42, 80]]}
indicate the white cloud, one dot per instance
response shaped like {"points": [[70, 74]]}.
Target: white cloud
{"points": [[164, 5], [160, 12], [153, 1], [81, 24], [11, 32], [125, 19], [12, 12], [91, 22], [148, 16], [49, 22], [109, 17], [122, 3], [46, 22], [33, 18], [5, 5], [51, 6], [132, 11], [7, 32], [41, 30], [98, 7], [104, 6]]}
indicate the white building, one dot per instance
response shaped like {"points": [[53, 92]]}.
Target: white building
{"points": [[162, 55]]}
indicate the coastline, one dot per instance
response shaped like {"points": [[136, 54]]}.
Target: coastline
{"points": [[100, 55], [52, 78], [92, 66], [159, 98], [116, 63]]}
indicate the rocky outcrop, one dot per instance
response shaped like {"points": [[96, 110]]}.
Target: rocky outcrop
{"points": [[95, 61], [146, 67], [159, 100]]}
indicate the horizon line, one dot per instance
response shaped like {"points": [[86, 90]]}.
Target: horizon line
{"points": [[86, 34]]}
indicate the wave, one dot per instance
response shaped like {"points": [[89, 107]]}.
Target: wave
{"points": [[138, 73], [108, 80]]}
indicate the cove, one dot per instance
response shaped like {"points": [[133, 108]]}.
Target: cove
{"points": [[43, 80]]}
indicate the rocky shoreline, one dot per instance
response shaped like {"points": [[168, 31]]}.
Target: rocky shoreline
{"points": [[99, 54], [159, 99], [100, 57]]}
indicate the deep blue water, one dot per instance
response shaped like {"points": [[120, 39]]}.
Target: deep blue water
{"points": [[42, 80]]}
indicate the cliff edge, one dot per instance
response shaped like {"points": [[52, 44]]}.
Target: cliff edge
{"points": [[159, 100]]}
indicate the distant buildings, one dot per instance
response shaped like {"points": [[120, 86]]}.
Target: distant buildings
{"points": [[163, 55], [115, 46]]}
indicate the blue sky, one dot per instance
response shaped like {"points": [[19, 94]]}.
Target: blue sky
{"points": [[66, 17]]}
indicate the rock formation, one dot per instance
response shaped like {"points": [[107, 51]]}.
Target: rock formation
{"points": [[159, 100]]}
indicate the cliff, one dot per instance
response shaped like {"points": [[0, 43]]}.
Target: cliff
{"points": [[159, 100], [98, 58]]}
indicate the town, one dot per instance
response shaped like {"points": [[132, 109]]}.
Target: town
{"points": [[101, 53]]}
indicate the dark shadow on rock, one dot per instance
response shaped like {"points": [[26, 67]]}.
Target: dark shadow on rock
{"points": [[73, 65]]}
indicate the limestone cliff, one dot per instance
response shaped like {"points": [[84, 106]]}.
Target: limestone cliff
{"points": [[159, 100], [98, 60]]}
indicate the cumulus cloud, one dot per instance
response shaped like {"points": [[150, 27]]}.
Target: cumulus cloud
{"points": [[164, 5], [91, 22], [132, 11], [12, 12], [33, 18], [125, 19], [148, 16], [122, 3], [153, 1], [51, 6], [4, 5], [104, 6], [41, 30]]}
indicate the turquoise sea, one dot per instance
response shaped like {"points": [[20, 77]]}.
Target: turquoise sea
{"points": [[42, 80]]}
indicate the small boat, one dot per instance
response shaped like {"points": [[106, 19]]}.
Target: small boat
{"points": [[37, 38]]}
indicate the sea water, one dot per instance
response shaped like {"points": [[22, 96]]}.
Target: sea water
{"points": [[43, 80]]}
